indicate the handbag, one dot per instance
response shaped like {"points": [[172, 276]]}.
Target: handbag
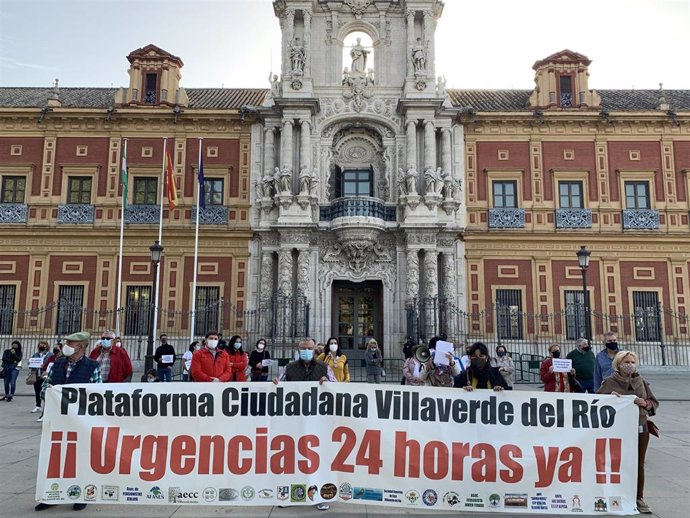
{"points": [[653, 428], [31, 377]]}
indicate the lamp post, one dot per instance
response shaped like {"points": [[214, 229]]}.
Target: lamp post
{"points": [[583, 260], [156, 253]]}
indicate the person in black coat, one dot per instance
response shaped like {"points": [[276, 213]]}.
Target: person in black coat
{"points": [[480, 373]]}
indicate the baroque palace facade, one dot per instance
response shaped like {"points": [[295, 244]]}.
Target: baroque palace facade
{"points": [[355, 197]]}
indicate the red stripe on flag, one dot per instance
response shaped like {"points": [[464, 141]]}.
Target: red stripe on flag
{"points": [[171, 188]]}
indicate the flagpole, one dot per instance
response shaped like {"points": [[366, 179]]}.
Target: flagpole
{"points": [[124, 179], [160, 241], [192, 324]]}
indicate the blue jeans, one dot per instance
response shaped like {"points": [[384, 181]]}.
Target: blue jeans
{"points": [[185, 376], [165, 374], [585, 386], [11, 374]]}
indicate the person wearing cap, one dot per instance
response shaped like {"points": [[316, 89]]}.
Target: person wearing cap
{"points": [[72, 367], [116, 367]]}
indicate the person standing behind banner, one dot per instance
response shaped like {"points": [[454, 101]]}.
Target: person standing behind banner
{"points": [[374, 360], [238, 359], [504, 364], [73, 367], [583, 366], [625, 381], [603, 367], [37, 373], [116, 367], [480, 374], [336, 360], [556, 381], [414, 371], [259, 371], [187, 359], [11, 364], [210, 363], [439, 374], [165, 358]]}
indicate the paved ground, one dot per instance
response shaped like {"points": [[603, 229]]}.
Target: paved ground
{"points": [[668, 467]]}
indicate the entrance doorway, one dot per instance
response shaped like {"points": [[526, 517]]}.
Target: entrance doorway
{"points": [[357, 313]]}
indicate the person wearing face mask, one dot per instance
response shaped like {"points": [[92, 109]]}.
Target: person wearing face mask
{"points": [[151, 376], [556, 381], [625, 380], [116, 367], [374, 360], [238, 359], [307, 367], [480, 374], [438, 374], [11, 364], [603, 363], [504, 364], [165, 358], [583, 366], [37, 374], [187, 359], [210, 363], [259, 371], [73, 367], [336, 360]]}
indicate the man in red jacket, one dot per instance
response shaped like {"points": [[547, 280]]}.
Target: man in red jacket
{"points": [[209, 363], [116, 367]]}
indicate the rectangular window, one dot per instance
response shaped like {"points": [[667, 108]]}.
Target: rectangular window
{"points": [[70, 307], [207, 309], [570, 194], [509, 314], [505, 194], [137, 310], [637, 195], [647, 316], [575, 319], [7, 292], [357, 183], [13, 189], [213, 191], [150, 90], [566, 87], [79, 190], [145, 191]]}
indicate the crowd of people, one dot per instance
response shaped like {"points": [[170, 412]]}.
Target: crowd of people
{"points": [[610, 371]]}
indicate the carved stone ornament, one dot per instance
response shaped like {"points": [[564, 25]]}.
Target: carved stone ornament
{"points": [[359, 255], [421, 85], [358, 88], [296, 84], [358, 7], [294, 238]]}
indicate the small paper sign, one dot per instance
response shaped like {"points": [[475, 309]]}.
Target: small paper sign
{"points": [[167, 358], [35, 363], [562, 365], [266, 363], [188, 365], [443, 348]]}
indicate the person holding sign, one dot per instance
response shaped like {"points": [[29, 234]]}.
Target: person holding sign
{"points": [[116, 367], [165, 358], [260, 361], [442, 367], [35, 372], [480, 374], [555, 374], [627, 381], [210, 363], [336, 360], [187, 359]]}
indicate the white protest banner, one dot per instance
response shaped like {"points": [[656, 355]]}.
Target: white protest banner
{"points": [[562, 365], [35, 363], [304, 443]]}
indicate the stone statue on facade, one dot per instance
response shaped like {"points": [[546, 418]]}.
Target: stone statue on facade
{"points": [[359, 58], [285, 179], [441, 86], [419, 58], [411, 180], [314, 185], [402, 182], [267, 185], [439, 181], [275, 85], [430, 181], [304, 181], [297, 58], [450, 186]]}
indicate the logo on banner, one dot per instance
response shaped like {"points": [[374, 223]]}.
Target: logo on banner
{"points": [[539, 503], [392, 495], [266, 493], [312, 491], [283, 492], [73, 492], [177, 496], [412, 496], [515, 500], [474, 500], [430, 497], [210, 494], [227, 494], [329, 491], [132, 494], [615, 503], [600, 504], [298, 493], [559, 502], [577, 504], [110, 493], [90, 493], [451, 498], [54, 493], [367, 493], [248, 493], [345, 491], [155, 493], [494, 500]]}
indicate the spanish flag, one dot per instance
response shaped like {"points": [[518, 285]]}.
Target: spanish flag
{"points": [[170, 187]]}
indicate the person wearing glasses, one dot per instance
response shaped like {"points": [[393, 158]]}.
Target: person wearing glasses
{"points": [[603, 363], [114, 362]]}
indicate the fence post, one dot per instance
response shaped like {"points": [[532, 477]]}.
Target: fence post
{"points": [[660, 330]]}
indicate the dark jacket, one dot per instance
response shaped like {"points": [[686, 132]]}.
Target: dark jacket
{"points": [[493, 376], [301, 371], [164, 350], [10, 359], [81, 372]]}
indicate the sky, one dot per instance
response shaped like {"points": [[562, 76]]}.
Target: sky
{"points": [[236, 43]]}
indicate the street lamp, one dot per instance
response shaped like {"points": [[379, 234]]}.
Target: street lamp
{"points": [[583, 260], [156, 253]]}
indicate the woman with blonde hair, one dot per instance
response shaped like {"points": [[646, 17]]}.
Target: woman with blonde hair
{"points": [[625, 381]]}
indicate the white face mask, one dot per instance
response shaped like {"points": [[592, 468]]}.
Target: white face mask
{"points": [[67, 350], [333, 347], [260, 346], [211, 344], [197, 347]]}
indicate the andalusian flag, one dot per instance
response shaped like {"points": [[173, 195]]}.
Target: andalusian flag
{"points": [[123, 176], [171, 188]]}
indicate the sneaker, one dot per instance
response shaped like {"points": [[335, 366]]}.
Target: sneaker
{"points": [[8, 398], [39, 420], [79, 507], [36, 410], [3, 398], [643, 507], [323, 506]]}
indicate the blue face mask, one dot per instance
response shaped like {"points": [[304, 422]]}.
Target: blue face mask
{"points": [[238, 345], [306, 354], [106, 342], [501, 353]]}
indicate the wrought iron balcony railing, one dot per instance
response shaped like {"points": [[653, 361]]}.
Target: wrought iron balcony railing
{"points": [[13, 212], [142, 214], [357, 206], [75, 213], [641, 219], [506, 218], [211, 215], [573, 218]]}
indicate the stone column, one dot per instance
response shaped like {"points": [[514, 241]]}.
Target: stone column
{"points": [[428, 41], [411, 144], [285, 271], [429, 145], [412, 274], [446, 155], [410, 41], [289, 32], [303, 272], [307, 42], [286, 145], [266, 277], [431, 273], [304, 149], [269, 150], [449, 277]]}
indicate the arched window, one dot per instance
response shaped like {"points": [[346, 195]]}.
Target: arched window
{"points": [[358, 55]]}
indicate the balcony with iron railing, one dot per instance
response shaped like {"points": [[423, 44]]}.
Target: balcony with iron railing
{"points": [[75, 213], [142, 214], [13, 212], [357, 206], [640, 219], [507, 218], [573, 218], [211, 215]]}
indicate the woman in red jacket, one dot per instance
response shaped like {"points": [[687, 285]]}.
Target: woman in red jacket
{"points": [[556, 381], [238, 359]]}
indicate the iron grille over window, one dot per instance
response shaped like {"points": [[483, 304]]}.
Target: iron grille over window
{"points": [[566, 84], [7, 292], [150, 90], [70, 308], [575, 319], [647, 316], [509, 314], [207, 308], [137, 310]]}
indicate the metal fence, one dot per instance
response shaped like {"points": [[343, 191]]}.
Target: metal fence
{"points": [[659, 335]]}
